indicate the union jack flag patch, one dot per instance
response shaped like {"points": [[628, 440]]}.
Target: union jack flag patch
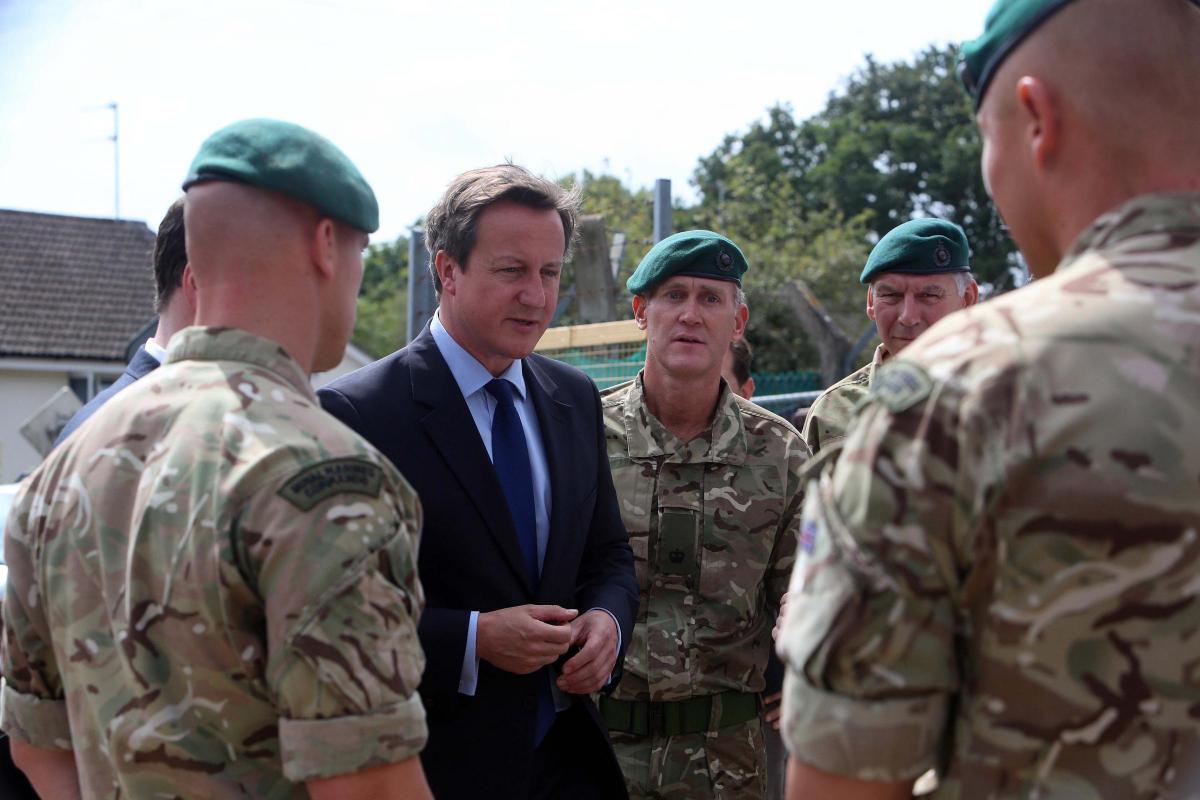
{"points": [[808, 536]]}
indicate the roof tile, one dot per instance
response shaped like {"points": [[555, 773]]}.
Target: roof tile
{"points": [[73, 287]]}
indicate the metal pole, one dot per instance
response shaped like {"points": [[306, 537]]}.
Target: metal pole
{"points": [[116, 162], [662, 209], [422, 299]]}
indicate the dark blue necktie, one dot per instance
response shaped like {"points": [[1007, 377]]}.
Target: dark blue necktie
{"points": [[510, 459]]}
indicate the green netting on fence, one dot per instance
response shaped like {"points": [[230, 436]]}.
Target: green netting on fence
{"points": [[609, 365], [771, 383]]}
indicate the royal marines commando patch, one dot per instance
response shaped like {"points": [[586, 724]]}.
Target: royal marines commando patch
{"points": [[328, 478], [900, 385]]}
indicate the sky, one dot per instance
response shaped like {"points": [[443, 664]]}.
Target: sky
{"points": [[416, 93]]}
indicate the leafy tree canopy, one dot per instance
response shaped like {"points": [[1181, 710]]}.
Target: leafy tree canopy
{"points": [[804, 198]]}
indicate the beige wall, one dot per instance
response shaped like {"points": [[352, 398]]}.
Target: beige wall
{"points": [[25, 386], [352, 360], [21, 394]]}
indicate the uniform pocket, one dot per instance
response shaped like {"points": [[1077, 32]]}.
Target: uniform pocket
{"points": [[678, 541], [737, 764]]}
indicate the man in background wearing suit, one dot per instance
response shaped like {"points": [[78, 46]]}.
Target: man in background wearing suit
{"points": [[526, 565], [175, 303]]}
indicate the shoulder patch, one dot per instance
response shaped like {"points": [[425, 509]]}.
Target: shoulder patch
{"points": [[900, 386], [328, 478], [615, 394]]}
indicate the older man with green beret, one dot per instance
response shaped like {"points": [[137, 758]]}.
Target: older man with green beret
{"points": [[918, 273], [709, 487], [1000, 574], [212, 582]]}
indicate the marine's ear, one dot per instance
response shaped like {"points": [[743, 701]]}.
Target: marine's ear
{"points": [[323, 247], [1041, 119], [639, 311]]}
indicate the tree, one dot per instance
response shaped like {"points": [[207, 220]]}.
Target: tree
{"points": [[383, 298], [805, 199], [897, 141]]}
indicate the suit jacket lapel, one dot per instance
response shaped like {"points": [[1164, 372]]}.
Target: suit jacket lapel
{"points": [[141, 365], [554, 422], [449, 425]]}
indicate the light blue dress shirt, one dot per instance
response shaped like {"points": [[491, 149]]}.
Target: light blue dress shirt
{"points": [[472, 379]]}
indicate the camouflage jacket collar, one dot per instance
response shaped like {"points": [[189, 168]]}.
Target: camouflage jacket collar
{"points": [[1150, 213], [723, 443], [881, 355], [231, 344]]}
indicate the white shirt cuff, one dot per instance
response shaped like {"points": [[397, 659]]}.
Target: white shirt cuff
{"points": [[469, 678]]}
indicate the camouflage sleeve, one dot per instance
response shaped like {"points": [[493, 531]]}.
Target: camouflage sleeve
{"points": [[784, 554], [332, 553], [35, 710], [870, 633], [810, 433]]}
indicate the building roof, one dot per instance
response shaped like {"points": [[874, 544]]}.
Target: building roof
{"points": [[73, 287]]}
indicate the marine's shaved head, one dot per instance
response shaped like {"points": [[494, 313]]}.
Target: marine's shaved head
{"points": [[1097, 106], [272, 265], [233, 230], [1128, 68]]}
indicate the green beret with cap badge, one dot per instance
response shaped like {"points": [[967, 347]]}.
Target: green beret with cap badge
{"points": [[1007, 25], [920, 247], [697, 254], [292, 160]]}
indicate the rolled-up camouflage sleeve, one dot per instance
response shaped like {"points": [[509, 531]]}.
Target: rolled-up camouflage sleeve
{"points": [[870, 634], [35, 710], [332, 553]]}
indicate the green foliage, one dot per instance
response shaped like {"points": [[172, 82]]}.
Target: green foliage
{"points": [[898, 141], [784, 240], [803, 198], [383, 298]]}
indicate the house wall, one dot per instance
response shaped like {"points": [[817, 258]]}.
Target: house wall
{"points": [[26, 384], [352, 360], [22, 393]]}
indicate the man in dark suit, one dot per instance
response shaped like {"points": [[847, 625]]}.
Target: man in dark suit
{"points": [[527, 570], [175, 303]]}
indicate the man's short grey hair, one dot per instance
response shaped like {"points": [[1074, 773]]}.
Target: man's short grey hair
{"points": [[963, 281]]}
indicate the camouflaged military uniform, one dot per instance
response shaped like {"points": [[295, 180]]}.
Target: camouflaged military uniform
{"points": [[713, 525], [829, 418], [212, 587], [1001, 573]]}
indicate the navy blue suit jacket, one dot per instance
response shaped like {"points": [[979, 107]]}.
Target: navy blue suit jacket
{"points": [[141, 365], [409, 406]]}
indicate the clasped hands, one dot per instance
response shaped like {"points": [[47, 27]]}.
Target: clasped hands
{"points": [[523, 639]]}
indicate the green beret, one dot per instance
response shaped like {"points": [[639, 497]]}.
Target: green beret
{"points": [[920, 247], [1007, 25], [698, 254], [291, 160]]}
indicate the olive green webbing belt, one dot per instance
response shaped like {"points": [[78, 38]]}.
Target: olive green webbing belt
{"points": [[694, 715]]}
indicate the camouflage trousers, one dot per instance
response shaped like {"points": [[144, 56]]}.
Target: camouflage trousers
{"points": [[729, 764]]}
